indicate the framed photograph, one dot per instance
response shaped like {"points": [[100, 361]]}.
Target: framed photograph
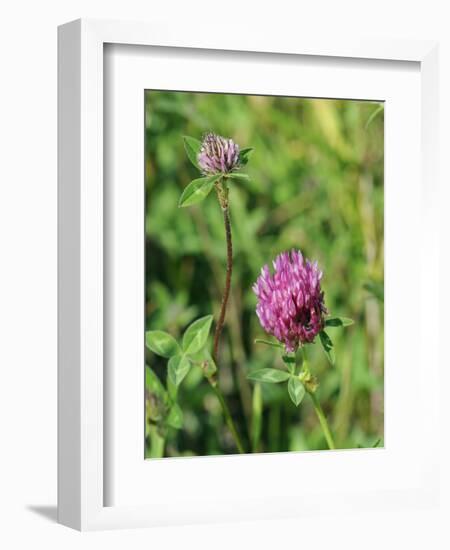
{"points": [[246, 280]]}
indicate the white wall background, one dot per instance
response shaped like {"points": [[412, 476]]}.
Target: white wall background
{"points": [[28, 269]]}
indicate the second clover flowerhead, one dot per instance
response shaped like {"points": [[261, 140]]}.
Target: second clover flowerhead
{"points": [[291, 302], [218, 155], [219, 160]]}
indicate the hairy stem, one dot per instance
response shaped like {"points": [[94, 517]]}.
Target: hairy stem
{"points": [[226, 292], [322, 420], [222, 195], [235, 331]]}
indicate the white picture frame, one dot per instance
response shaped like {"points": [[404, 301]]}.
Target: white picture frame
{"points": [[85, 479]]}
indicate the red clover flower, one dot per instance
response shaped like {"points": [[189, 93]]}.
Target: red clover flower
{"points": [[291, 302]]}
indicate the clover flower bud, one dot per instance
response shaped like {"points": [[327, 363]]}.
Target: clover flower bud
{"points": [[218, 155]]}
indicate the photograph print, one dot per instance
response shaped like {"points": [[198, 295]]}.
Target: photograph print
{"points": [[264, 281]]}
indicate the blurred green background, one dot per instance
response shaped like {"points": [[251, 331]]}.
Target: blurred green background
{"points": [[317, 185]]}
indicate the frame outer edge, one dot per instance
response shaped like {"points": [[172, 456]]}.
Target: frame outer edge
{"points": [[80, 237], [91, 276], [69, 333], [431, 247], [161, 33]]}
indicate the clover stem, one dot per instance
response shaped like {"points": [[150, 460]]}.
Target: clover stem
{"points": [[222, 195], [223, 200], [157, 443], [228, 418], [322, 420], [310, 384]]}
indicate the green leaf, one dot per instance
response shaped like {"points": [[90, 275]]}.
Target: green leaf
{"points": [[196, 334], [197, 190], [296, 390], [175, 417], [273, 376], [153, 383], [327, 345], [268, 343], [339, 322], [192, 147], [161, 343], [238, 176], [377, 443], [178, 366], [244, 155]]}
